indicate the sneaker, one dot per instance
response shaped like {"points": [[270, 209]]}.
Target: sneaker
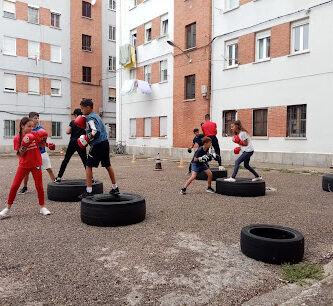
{"points": [[210, 190], [230, 179], [114, 191], [259, 178], [221, 168], [85, 195], [23, 190], [4, 212], [57, 180], [44, 211], [183, 191]]}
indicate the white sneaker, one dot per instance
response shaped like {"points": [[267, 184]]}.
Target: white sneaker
{"points": [[259, 178], [230, 179], [44, 211], [221, 168], [4, 212]]}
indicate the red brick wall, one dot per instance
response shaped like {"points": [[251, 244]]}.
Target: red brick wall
{"points": [[22, 83], [47, 125], [21, 10], [242, 2], [156, 28], [44, 16], [45, 86], [140, 73], [140, 127], [246, 49], [140, 35], [277, 121], [280, 40], [155, 72], [45, 51], [139, 2], [21, 47], [245, 116], [155, 126]]}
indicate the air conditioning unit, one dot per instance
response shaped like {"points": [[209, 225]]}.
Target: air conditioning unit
{"points": [[204, 90]]}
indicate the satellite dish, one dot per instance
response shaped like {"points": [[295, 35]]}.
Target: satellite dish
{"points": [[93, 2]]}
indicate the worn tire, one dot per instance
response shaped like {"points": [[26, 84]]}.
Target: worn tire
{"points": [[202, 176], [69, 190], [243, 187], [272, 244], [328, 182], [113, 210]]}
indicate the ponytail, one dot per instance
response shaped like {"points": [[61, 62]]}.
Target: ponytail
{"points": [[23, 122]]}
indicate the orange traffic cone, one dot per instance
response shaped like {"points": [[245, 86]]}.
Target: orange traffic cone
{"points": [[181, 163], [133, 159], [61, 152], [158, 165]]}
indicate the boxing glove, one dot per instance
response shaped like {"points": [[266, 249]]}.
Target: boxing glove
{"points": [[189, 150], [26, 141], [81, 122], [236, 139], [50, 145], [216, 156], [203, 159], [41, 136], [237, 150], [83, 141]]}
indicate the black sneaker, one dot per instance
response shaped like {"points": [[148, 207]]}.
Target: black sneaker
{"points": [[114, 191], [210, 190], [183, 191], [57, 180], [85, 195], [23, 190]]}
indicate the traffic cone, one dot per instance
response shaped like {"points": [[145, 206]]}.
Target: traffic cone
{"points": [[181, 163], [133, 159], [158, 165], [61, 152]]}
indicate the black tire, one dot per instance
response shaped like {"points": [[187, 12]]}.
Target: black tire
{"points": [[69, 190], [328, 182], [113, 210], [202, 176], [272, 244], [243, 187]]}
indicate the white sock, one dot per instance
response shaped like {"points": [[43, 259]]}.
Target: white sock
{"points": [[89, 189], [114, 186]]}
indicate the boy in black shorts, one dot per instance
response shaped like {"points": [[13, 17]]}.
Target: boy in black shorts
{"points": [[197, 139], [96, 137], [198, 165]]}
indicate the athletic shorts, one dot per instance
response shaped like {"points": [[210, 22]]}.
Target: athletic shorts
{"points": [[198, 167], [99, 153], [46, 161]]}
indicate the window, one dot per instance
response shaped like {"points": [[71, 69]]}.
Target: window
{"points": [[190, 87], [164, 25], [147, 127], [56, 129], [260, 122], [9, 46], [296, 121], [263, 45], [228, 118], [33, 15], [86, 42], [86, 9], [132, 74], [33, 86], [147, 72], [112, 95], [9, 82], [300, 36], [133, 37], [10, 128], [86, 74], [55, 88], [9, 9], [112, 63], [163, 71], [132, 127], [55, 20], [148, 32], [112, 33], [190, 35], [55, 54], [231, 4], [133, 3], [33, 49], [112, 130], [232, 54], [112, 5], [163, 126]]}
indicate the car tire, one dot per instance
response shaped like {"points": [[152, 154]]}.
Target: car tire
{"points": [[243, 187], [272, 244], [113, 210], [327, 182], [202, 176], [69, 190]]}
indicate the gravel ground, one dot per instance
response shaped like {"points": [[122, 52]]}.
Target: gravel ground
{"points": [[186, 252]]}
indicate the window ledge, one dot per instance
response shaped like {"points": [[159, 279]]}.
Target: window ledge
{"points": [[163, 82], [56, 28], [111, 40], [56, 96], [260, 137], [85, 17], [262, 61], [299, 53], [56, 137], [110, 9], [132, 137], [132, 8], [55, 62], [147, 42], [33, 23], [230, 10], [9, 54], [189, 100], [14, 18], [10, 91], [89, 51], [190, 49], [34, 94], [163, 137], [230, 67], [162, 36], [87, 83], [295, 138], [111, 70], [146, 137], [8, 137]]}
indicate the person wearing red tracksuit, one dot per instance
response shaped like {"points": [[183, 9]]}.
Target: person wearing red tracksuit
{"points": [[26, 144]]}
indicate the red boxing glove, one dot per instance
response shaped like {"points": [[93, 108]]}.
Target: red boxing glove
{"points": [[237, 150], [81, 122], [83, 141], [51, 146], [236, 139], [42, 136], [26, 142]]}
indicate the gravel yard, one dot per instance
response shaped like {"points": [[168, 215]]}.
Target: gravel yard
{"points": [[186, 252]]}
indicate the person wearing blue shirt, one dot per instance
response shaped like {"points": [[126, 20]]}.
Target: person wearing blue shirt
{"points": [[197, 139]]}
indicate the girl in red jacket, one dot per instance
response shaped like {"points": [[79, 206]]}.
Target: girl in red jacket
{"points": [[30, 160]]}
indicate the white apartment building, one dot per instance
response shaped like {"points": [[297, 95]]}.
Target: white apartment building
{"points": [[272, 68]]}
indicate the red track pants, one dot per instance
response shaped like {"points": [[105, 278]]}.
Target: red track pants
{"points": [[20, 174]]}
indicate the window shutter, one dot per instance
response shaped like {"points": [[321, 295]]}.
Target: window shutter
{"points": [[9, 7], [147, 127], [163, 126], [10, 82], [133, 127], [9, 45], [33, 85]]}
